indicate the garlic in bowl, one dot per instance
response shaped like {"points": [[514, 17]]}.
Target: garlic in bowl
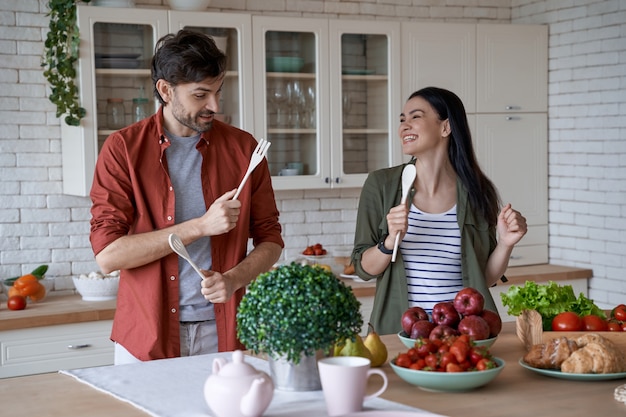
{"points": [[97, 286]]}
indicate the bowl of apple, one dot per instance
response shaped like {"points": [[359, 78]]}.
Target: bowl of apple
{"points": [[465, 314]]}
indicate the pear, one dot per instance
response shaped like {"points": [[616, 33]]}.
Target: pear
{"points": [[377, 348], [353, 347]]}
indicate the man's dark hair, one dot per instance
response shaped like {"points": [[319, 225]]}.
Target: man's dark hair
{"points": [[186, 57]]}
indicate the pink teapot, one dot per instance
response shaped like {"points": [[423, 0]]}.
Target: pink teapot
{"points": [[237, 389]]}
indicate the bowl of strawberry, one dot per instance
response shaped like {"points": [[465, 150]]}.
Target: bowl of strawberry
{"points": [[453, 364]]}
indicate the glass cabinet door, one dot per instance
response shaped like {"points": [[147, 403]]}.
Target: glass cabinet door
{"points": [[291, 89], [114, 87], [124, 93], [231, 33], [367, 103]]}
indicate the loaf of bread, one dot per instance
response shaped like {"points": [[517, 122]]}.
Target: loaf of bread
{"points": [[552, 354], [596, 355], [588, 354]]}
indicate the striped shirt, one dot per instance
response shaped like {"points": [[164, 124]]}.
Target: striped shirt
{"points": [[431, 250]]}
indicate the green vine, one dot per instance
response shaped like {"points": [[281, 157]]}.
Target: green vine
{"points": [[60, 57]]}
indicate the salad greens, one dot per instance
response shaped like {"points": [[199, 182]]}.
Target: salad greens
{"points": [[548, 300]]}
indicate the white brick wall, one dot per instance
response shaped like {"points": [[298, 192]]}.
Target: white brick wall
{"points": [[38, 224], [587, 142]]}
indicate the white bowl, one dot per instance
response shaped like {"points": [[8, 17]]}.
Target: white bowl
{"points": [[97, 288], [189, 5]]}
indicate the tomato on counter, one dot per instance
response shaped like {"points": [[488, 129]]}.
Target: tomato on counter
{"points": [[16, 302], [595, 323], [619, 312], [567, 321]]}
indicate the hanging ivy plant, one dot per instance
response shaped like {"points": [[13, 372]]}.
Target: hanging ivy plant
{"points": [[60, 58]]}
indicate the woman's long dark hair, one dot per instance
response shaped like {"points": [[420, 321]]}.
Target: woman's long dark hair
{"points": [[483, 195]]}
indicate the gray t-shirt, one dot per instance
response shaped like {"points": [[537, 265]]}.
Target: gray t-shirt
{"points": [[185, 163]]}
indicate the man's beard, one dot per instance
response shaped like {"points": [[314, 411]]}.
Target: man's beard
{"points": [[191, 121]]}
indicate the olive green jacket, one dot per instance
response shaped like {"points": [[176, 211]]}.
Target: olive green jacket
{"points": [[382, 191]]}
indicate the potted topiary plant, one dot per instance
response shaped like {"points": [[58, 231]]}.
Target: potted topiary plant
{"points": [[293, 313]]}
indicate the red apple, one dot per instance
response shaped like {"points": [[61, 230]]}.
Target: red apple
{"points": [[445, 313], [421, 328], [469, 302], [442, 331], [410, 316], [493, 320], [474, 326]]}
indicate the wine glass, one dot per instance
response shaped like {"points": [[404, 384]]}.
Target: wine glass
{"points": [[346, 106], [277, 95], [309, 106]]}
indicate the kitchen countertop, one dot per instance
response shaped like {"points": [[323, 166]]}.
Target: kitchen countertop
{"points": [[516, 392], [53, 310], [516, 275], [72, 309]]}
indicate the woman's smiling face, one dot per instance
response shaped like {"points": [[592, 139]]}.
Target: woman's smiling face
{"points": [[420, 128]]}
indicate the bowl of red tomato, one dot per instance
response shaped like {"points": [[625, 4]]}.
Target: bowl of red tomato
{"points": [[449, 381], [454, 364]]}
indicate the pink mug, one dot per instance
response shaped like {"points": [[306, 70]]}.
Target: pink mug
{"points": [[344, 381]]}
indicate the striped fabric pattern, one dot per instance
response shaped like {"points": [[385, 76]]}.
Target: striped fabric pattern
{"points": [[431, 251]]}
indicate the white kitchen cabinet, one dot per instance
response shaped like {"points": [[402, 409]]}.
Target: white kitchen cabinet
{"points": [[512, 149], [500, 73], [512, 68], [116, 46], [52, 348], [348, 128], [440, 55]]}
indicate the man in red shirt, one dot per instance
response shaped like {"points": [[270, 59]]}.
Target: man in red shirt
{"points": [[177, 172]]}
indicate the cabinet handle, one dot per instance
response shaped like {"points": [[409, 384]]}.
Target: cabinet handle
{"points": [[327, 180], [512, 257], [75, 347], [337, 180], [512, 118], [512, 108]]}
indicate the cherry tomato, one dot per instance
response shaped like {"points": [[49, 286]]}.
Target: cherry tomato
{"points": [[432, 361], [403, 360], [413, 355], [485, 364], [613, 326], [594, 323], [454, 367], [447, 358], [619, 312], [16, 302], [567, 322]]}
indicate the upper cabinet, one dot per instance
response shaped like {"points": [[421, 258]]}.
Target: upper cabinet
{"points": [[326, 93], [440, 55], [512, 68], [114, 82], [325, 99]]}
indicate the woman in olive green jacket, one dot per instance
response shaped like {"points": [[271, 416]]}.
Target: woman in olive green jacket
{"points": [[434, 131]]}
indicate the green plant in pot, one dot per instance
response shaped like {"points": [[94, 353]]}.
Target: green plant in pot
{"points": [[293, 314]]}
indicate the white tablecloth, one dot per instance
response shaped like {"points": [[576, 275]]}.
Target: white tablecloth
{"points": [[174, 388]]}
